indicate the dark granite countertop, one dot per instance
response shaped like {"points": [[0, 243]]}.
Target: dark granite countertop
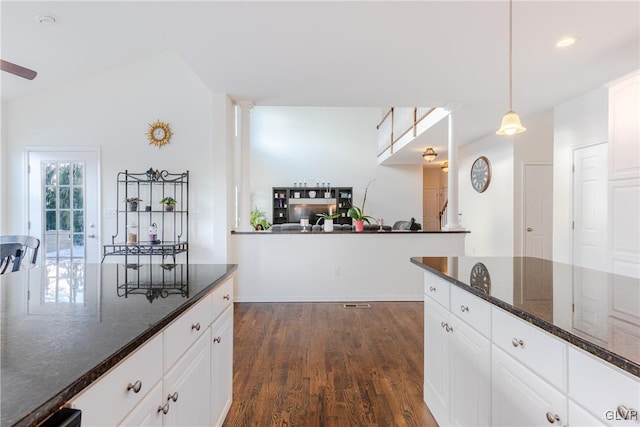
{"points": [[343, 232], [593, 310], [63, 325]]}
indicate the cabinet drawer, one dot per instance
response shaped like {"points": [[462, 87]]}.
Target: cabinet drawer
{"points": [[187, 328], [222, 297], [591, 385], [472, 310], [436, 288], [536, 349], [109, 399]]}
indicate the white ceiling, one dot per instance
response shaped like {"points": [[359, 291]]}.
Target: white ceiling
{"points": [[329, 53]]}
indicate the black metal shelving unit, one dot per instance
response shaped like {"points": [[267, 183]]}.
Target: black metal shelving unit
{"points": [[172, 225]]}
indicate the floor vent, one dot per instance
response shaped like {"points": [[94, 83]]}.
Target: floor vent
{"points": [[356, 305]]}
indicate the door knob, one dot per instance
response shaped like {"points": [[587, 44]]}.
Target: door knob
{"points": [[529, 229]]}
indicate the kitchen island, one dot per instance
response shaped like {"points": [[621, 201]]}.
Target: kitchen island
{"points": [[526, 341], [66, 325]]}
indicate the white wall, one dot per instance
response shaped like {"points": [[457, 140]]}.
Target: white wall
{"points": [[112, 111], [579, 122], [489, 215], [289, 144], [533, 146]]}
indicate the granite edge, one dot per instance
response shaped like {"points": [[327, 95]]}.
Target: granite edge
{"points": [[602, 353], [48, 408]]}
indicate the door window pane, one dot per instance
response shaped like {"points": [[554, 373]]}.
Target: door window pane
{"points": [[50, 175], [78, 221], [50, 198], [64, 172], [78, 198], [65, 202], [78, 174], [65, 221], [50, 220]]}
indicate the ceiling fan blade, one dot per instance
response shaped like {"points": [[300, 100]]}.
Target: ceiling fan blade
{"points": [[18, 70]]}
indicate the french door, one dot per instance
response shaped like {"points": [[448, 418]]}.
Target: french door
{"points": [[63, 204]]}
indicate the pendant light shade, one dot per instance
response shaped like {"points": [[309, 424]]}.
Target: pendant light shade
{"points": [[445, 167], [510, 124], [429, 155]]}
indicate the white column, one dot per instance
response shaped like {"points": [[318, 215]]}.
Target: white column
{"points": [[244, 201], [453, 219]]}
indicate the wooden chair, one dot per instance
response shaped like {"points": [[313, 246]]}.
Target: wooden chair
{"points": [[29, 244], [10, 253]]}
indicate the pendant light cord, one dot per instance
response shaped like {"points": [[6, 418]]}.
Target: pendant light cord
{"points": [[510, 55]]}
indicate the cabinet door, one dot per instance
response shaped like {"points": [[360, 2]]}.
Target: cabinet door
{"points": [[221, 367], [470, 374], [520, 397], [148, 412], [189, 382], [436, 361]]}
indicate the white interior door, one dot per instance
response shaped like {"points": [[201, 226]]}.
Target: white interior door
{"points": [[538, 210], [63, 204], [590, 206]]}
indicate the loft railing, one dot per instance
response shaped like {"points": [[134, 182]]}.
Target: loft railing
{"points": [[397, 122]]}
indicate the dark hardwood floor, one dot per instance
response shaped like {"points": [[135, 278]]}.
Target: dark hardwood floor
{"points": [[320, 364]]}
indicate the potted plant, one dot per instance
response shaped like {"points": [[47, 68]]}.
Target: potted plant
{"points": [[328, 220], [132, 203], [169, 203], [258, 220], [357, 214]]}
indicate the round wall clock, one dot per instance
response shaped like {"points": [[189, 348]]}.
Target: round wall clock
{"points": [[480, 174], [480, 278], [159, 133]]}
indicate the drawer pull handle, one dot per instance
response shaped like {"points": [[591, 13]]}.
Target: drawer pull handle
{"points": [[432, 289], [173, 397], [164, 408], [626, 413], [443, 324], [517, 343], [552, 418], [464, 308], [227, 297], [136, 387], [195, 326], [448, 328], [217, 340]]}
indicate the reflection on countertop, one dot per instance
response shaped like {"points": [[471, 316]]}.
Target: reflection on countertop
{"points": [[594, 310]]}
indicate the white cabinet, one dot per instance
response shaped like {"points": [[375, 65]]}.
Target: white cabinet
{"points": [[187, 387], [520, 397], [609, 394], [470, 376], [485, 366], [148, 412], [221, 367], [108, 400], [436, 361], [534, 348], [456, 363], [182, 377]]}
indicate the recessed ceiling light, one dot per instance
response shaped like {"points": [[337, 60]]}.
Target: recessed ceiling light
{"points": [[566, 41], [45, 19]]}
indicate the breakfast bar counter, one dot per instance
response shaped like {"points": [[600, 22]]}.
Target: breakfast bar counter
{"points": [[65, 324]]}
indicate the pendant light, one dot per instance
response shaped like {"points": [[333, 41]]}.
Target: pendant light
{"points": [[510, 122], [445, 167], [429, 155]]}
